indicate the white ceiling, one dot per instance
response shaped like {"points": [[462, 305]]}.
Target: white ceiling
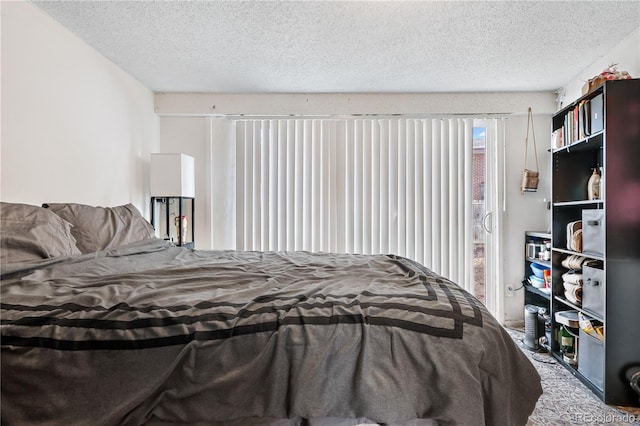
{"points": [[350, 46]]}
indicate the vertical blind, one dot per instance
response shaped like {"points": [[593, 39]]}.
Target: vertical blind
{"points": [[369, 186]]}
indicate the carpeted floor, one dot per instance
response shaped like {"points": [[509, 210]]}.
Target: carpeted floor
{"points": [[566, 401]]}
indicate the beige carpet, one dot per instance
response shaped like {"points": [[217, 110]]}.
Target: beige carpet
{"points": [[566, 401]]}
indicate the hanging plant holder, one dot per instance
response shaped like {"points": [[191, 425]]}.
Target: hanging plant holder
{"points": [[529, 177]]}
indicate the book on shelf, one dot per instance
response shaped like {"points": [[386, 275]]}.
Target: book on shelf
{"points": [[567, 127], [580, 121], [583, 119], [576, 124], [557, 138]]}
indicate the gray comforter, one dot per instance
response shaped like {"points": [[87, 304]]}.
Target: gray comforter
{"points": [[151, 333]]}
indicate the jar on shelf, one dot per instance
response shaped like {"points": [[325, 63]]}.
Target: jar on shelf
{"points": [[567, 345]]}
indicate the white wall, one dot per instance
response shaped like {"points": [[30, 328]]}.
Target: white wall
{"points": [[208, 140], [626, 54], [75, 127], [523, 212]]}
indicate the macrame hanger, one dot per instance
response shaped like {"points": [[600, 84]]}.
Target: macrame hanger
{"points": [[530, 178], [526, 140]]}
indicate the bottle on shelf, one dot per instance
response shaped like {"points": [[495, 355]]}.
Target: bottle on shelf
{"points": [[593, 186], [601, 185]]}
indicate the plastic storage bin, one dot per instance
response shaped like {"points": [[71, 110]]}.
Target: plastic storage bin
{"points": [[537, 269], [591, 358], [596, 122], [593, 290], [593, 231]]}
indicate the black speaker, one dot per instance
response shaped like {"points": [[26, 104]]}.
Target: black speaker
{"points": [[533, 326]]}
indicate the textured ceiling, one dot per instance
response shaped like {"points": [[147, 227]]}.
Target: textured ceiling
{"points": [[350, 46]]}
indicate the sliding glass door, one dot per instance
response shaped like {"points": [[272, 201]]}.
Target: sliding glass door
{"points": [[488, 201]]}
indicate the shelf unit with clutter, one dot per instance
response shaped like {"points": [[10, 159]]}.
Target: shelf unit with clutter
{"points": [[537, 290], [595, 239], [172, 198], [172, 219], [537, 266]]}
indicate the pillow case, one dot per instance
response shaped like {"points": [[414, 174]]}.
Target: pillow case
{"points": [[100, 228], [32, 233]]}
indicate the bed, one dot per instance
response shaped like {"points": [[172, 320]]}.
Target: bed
{"points": [[103, 324]]}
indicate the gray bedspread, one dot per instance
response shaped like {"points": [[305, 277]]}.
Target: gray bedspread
{"points": [[151, 333]]}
